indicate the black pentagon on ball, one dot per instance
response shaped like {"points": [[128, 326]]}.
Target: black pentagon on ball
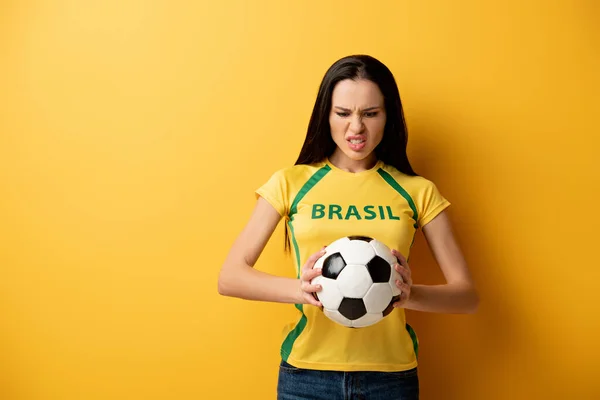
{"points": [[359, 237], [333, 265], [352, 308], [390, 306], [379, 269]]}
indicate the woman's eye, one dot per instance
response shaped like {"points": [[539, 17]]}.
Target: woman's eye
{"points": [[371, 114], [342, 114]]}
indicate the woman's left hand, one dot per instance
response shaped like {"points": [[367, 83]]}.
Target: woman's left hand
{"points": [[404, 270]]}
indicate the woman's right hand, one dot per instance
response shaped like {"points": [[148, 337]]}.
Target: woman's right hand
{"points": [[308, 273]]}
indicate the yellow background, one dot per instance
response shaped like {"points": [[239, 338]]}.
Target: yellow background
{"points": [[132, 136]]}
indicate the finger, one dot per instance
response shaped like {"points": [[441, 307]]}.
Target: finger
{"points": [[311, 274], [399, 256], [399, 304], [308, 288], [404, 287], [404, 272], [310, 262], [311, 300], [403, 298]]}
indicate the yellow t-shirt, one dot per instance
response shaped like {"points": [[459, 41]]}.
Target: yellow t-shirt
{"points": [[322, 203]]}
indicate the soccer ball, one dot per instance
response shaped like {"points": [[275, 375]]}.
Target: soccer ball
{"points": [[358, 281]]}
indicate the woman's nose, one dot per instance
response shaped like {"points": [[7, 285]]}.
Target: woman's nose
{"points": [[356, 125]]}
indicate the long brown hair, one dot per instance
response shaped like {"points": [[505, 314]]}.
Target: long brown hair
{"points": [[319, 144]]}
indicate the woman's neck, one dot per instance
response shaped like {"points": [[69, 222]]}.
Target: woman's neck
{"points": [[343, 162]]}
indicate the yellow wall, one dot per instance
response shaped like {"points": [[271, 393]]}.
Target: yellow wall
{"points": [[128, 134]]}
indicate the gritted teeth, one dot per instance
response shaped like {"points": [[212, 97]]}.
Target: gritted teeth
{"points": [[356, 140]]}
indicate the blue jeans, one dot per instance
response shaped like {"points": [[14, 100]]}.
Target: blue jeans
{"points": [[297, 383]]}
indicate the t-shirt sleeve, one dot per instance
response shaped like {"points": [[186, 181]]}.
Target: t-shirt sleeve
{"points": [[274, 191], [431, 203]]}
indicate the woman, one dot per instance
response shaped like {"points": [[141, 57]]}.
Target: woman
{"points": [[353, 161]]}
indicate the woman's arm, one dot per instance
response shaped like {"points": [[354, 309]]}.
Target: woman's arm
{"points": [[239, 278], [458, 295]]}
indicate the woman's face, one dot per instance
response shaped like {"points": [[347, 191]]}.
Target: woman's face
{"points": [[357, 119]]}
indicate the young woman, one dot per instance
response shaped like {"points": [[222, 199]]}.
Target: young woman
{"points": [[352, 177]]}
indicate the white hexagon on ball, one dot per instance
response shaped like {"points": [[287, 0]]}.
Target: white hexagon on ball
{"points": [[319, 262], [367, 320], [329, 295], [338, 245], [383, 251], [354, 281], [337, 317], [378, 297], [360, 252]]}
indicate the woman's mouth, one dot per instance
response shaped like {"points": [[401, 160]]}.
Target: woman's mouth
{"points": [[356, 143]]}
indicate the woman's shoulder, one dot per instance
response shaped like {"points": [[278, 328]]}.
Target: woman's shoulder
{"points": [[422, 192], [407, 179], [298, 172]]}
